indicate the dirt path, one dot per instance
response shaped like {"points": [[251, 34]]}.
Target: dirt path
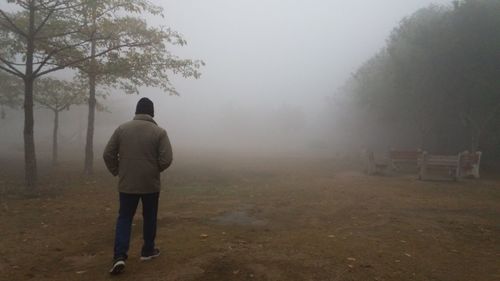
{"points": [[283, 220]]}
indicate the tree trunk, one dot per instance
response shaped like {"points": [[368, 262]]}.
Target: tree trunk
{"points": [[472, 142], [29, 139], [423, 138], [89, 146], [475, 139], [54, 138]]}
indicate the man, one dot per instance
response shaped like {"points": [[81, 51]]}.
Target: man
{"points": [[137, 152]]}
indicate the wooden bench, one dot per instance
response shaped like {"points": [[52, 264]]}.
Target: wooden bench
{"points": [[470, 164], [449, 163], [398, 157], [374, 164]]}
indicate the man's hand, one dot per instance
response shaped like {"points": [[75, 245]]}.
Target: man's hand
{"points": [[110, 155]]}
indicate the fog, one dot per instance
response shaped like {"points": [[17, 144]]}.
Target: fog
{"points": [[270, 68]]}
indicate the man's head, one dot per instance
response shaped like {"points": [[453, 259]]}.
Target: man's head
{"points": [[145, 106]]}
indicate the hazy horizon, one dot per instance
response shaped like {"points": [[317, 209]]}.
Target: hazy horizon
{"points": [[270, 67]]}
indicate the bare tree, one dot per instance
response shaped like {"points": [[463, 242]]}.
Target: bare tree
{"points": [[57, 96], [43, 36]]}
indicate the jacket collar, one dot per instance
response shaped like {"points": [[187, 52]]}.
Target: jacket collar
{"points": [[145, 117]]}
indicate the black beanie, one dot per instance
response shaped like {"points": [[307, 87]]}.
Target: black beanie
{"points": [[145, 106]]}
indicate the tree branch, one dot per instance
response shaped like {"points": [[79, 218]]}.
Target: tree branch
{"points": [[111, 9], [58, 4], [56, 51], [58, 35], [12, 70], [494, 113], [46, 105], [44, 21], [59, 67], [12, 24]]}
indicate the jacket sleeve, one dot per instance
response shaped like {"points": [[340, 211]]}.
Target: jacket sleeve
{"points": [[164, 152], [110, 155]]}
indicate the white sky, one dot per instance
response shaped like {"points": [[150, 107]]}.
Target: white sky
{"points": [[270, 52], [261, 55]]}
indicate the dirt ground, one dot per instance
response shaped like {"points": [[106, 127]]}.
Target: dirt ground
{"points": [[260, 219]]}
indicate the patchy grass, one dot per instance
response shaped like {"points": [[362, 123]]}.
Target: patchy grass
{"points": [[280, 219]]}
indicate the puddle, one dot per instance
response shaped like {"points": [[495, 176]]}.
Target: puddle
{"points": [[240, 217], [80, 261]]}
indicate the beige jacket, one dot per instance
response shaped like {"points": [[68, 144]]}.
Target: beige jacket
{"points": [[138, 152]]}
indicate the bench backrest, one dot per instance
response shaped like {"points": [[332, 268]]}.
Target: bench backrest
{"points": [[442, 160], [434, 162], [470, 159]]}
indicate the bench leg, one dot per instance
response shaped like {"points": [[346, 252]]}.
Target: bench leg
{"points": [[423, 167], [475, 171]]}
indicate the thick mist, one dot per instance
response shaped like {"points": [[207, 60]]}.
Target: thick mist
{"points": [[271, 69], [310, 140]]}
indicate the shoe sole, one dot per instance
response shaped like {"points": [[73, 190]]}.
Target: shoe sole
{"points": [[150, 257], [118, 268]]}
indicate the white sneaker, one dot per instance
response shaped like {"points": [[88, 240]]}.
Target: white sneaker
{"points": [[118, 267], [154, 254]]}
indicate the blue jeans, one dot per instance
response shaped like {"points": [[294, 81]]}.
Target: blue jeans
{"points": [[128, 205]]}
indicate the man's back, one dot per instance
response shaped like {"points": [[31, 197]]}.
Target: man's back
{"points": [[138, 151]]}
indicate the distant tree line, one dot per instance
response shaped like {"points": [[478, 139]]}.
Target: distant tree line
{"points": [[106, 43], [435, 85]]}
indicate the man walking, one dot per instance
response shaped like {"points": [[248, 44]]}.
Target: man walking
{"points": [[137, 152]]}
